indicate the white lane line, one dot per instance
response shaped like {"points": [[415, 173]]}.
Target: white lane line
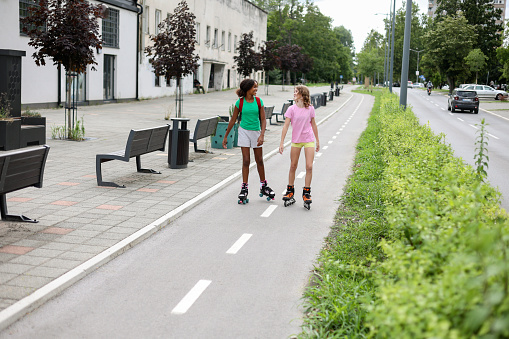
{"points": [[269, 211], [460, 119], [473, 126], [341, 129], [239, 243], [330, 141], [301, 175], [319, 154], [491, 135], [337, 133], [343, 126], [497, 115], [325, 147], [334, 137], [191, 297], [443, 109]]}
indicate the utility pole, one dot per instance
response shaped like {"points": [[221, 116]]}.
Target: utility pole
{"points": [[406, 54], [392, 44], [417, 71]]}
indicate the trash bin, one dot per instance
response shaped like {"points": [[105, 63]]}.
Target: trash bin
{"points": [[331, 95], [337, 91], [178, 144], [324, 98]]}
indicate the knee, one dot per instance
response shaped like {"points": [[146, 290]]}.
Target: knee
{"points": [[259, 161], [293, 167], [245, 162], [309, 168]]}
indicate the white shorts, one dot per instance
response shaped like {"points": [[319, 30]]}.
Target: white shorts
{"points": [[248, 138]]}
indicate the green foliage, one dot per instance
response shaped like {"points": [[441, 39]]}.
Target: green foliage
{"points": [[29, 113], [5, 106], [420, 245], [476, 61], [449, 44], [77, 133], [344, 278], [446, 272], [481, 156]]}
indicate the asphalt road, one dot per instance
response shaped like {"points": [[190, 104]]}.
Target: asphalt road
{"points": [[460, 132], [222, 270]]}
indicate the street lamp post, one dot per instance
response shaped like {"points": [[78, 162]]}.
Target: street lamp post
{"points": [[386, 49], [417, 71]]}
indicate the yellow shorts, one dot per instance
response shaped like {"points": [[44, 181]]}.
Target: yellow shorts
{"points": [[304, 144]]}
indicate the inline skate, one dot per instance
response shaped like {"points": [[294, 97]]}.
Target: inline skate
{"points": [[306, 196], [288, 198]]}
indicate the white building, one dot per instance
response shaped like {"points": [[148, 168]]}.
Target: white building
{"points": [[219, 26], [115, 76], [123, 71]]}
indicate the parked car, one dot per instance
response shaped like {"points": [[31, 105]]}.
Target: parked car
{"points": [[418, 85], [445, 87], [396, 84], [410, 85], [484, 91], [465, 85], [463, 99]]}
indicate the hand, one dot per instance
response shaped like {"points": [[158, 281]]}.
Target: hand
{"points": [[281, 148], [317, 146], [225, 142], [260, 140]]}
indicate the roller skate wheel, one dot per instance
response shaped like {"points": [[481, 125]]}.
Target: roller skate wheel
{"points": [[247, 200], [240, 202], [268, 198], [261, 194]]}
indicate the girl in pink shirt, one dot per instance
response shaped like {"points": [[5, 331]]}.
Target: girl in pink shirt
{"points": [[301, 115]]}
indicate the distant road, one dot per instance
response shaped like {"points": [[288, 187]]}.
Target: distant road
{"points": [[460, 130]]}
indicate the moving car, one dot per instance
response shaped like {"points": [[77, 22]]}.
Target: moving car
{"points": [[463, 99], [410, 85], [484, 91]]}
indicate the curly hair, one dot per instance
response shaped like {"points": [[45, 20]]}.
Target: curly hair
{"points": [[304, 91], [245, 86]]}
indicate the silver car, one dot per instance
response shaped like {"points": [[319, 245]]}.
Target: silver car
{"points": [[484, 91]]}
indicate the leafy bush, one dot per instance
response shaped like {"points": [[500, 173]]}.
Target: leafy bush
{"points": [[446, 274], [419, 249]]}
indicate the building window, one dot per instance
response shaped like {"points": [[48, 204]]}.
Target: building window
{"points": [[198, 33], [157, 81], [222, 40], [207, 36], [158, 21], [110, 28], [168, 81], [24, 5], [235, 44], [229, 42], [215, 44], [146, 16]]}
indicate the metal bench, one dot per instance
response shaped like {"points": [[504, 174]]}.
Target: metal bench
{"points": [[269, 110], [140, 142], [316, 100], [282, 112], [20, 169], [203, 129]]}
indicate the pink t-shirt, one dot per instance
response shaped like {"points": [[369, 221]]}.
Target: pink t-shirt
{"points": [[302, 131]]}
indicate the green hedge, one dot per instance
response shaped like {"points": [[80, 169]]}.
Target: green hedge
{"points": [[420, 245], [446, 274]]}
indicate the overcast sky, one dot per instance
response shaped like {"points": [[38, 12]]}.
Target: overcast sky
{"points": [[359, 16]]}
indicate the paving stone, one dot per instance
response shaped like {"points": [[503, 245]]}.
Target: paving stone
{"points": [[29, 281], [14, 268], [49, 272]]}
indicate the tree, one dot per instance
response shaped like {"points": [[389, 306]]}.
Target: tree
{"points": [[172, 54], [269, 59], [481, 15], [448, 45], [247, 60], [67, 32], [476, 61], [289, 56]]}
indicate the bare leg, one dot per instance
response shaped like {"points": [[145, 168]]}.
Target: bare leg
{"points": [[294, 161], [245, 163], [258, 153], [309, 153]]}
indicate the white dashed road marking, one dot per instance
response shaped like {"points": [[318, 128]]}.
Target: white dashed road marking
{"points": [[191, 297], [239, 243]]}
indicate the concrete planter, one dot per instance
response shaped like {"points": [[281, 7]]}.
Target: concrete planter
{"points": [[217, 140], [10, 134]]}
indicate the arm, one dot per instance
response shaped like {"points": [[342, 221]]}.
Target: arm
{"points": [[230, 126], [283, 135], [315, 131], [263, 124]]}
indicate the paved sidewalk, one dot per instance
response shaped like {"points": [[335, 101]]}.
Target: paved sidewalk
{"points": [[82, 226]]}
